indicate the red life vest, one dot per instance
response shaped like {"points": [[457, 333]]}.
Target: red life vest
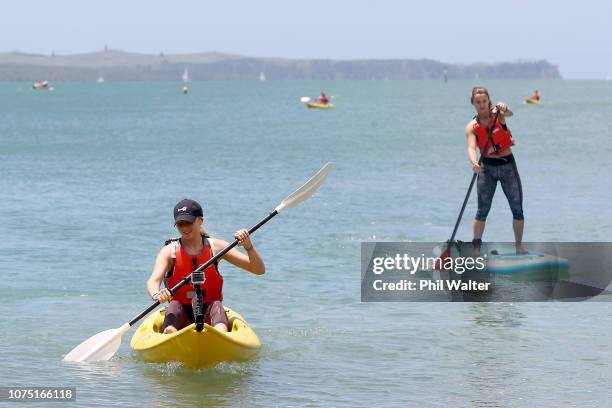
{"points": [[501, 139], [184, 264]]}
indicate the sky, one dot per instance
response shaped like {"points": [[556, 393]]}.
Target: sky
{"points": [[572, 35]]}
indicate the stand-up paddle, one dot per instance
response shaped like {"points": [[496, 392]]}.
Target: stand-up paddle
{"points": [[446, 252], [104, 345]]}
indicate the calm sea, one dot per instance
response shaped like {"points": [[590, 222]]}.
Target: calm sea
{"points": [[90, 173]]}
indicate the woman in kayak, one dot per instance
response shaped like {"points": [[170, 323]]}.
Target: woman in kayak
{"points": [[178, 258], [536, 96], [498, 164]]}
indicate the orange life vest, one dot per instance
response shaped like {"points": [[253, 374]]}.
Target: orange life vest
{"points": [[184, 264], [501, 139]]}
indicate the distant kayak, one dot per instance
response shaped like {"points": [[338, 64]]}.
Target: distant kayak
{"points": [[532, 101], [320, 105], [192, 348], [42, 85]]}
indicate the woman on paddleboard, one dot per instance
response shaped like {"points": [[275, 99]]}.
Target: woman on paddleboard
{"points": [[498, 164], [179, 257]]}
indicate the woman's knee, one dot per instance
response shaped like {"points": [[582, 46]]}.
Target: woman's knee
{"points": [[215, 314], [174, 307], [176, 316]]}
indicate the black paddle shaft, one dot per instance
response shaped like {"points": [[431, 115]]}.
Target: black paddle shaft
{"points": [[467, 196], [205, 265]]}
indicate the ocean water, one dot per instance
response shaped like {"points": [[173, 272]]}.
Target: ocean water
{"points": [[90, 173]]}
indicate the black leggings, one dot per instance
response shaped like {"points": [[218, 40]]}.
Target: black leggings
{"points": [[503, 170]]}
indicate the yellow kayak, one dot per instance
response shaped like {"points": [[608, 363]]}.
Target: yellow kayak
{"points": [[532, 101], [320, 105], [195, 349]]}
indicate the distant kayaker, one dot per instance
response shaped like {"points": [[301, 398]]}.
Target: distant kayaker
{"points": [[323, 99], [498, 164], [536, 95], [178, 258]]}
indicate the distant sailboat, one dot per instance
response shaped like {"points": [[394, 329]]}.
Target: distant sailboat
{"points": [[100, 80], [262, 77]]}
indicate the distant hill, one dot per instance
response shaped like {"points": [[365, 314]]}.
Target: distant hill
{"points": [[118, 65]]}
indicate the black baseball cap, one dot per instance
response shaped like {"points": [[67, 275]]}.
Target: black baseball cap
{"points": [[187, 210]]}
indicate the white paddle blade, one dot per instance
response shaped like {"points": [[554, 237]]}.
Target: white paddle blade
{"points": [[307, 190], [304, 99], [100, 347]]}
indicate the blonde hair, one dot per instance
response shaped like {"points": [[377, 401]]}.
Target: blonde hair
{"points": [[480, 90]]}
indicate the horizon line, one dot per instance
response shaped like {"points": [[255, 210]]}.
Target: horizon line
{"points": [[161, 53]]}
